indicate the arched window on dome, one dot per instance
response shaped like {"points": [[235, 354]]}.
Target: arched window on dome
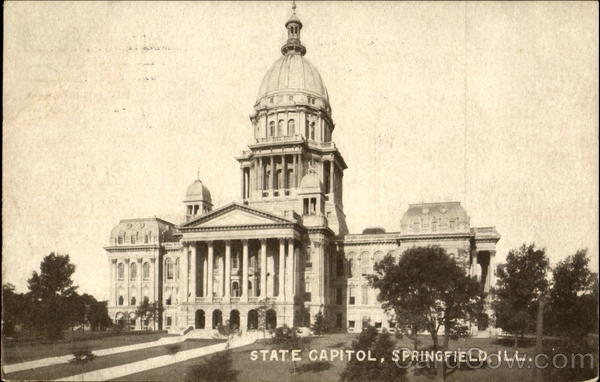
{"points": [[132, 271], [291, 127], [120, 271], [280, 128], [272, 128], [146, 271]]}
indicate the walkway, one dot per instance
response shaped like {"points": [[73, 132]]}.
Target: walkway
{"points": [[100, 352], [156, 362]]}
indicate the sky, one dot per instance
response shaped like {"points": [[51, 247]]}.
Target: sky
{"points": [[111, 109]]}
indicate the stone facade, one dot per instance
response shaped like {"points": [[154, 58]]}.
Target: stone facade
{"points": [[283, 250]]}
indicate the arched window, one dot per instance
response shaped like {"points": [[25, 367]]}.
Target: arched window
{"points": [[272, 128], [169, 269], [177, 268], [120, 300], [364, 263], [146, 271], [121, 271], [291, 127], [133, 301], [280, 128], [132, 271]]}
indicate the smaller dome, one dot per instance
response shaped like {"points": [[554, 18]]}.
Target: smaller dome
{"points": [[197, 192], [311, 181], [373, 230]]}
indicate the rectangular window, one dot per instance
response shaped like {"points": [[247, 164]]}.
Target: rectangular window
{"points": [[146, 239], [351, 324], [308, 257], [307, 296], [235, 261], [351, 298], [338, 320], [338, 296], [169, 320], [378, 325]]}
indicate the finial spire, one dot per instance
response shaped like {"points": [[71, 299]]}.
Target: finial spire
{"points": [[293, 25], [198, 174]]}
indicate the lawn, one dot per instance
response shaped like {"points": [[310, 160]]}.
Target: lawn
{"points": [[21, 351], [68, 369], [315, 371]]}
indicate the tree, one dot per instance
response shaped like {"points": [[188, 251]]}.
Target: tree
{"points": [[151, 311], [426, 289], [573, 294], [381, 347], [320, 325], [50, 294], [520, 284], [14, 309], [98, 316]]}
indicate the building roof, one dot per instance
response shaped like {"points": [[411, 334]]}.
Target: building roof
{"points": [[157, 230], [435, 217]]}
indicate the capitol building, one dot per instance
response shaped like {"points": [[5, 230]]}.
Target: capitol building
{"points": [[282, 253]]}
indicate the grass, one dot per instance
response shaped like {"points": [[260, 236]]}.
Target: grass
{"points": [[320, 370], [68, 369], [21, 351]]}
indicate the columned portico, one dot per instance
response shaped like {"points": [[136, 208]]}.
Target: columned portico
{"points": [[242, 265]]}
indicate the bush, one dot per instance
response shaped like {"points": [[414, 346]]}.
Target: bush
{"points": [[83, 355], [173, 348]]}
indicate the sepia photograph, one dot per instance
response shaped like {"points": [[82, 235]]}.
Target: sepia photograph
{"points": [[320, 191]]}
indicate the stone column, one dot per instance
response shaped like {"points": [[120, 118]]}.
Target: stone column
{"points": [[210, 270], [112, 263], [244, 270], [242, 182], [272, 177], [289, 267], [204, 276], [281, 293], [184, 275], [193, 271], [489, 280], [127, 300], [141, 278], [284, 173], [156, 282], [295, 177], [263, 268], [474, 264], [227, 268], [331, 172]]}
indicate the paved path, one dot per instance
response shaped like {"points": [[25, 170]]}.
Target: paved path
{"points": [[160, 361], [100, 352]]}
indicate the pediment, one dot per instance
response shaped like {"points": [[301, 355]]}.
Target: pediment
{"points": [[235, 215]]}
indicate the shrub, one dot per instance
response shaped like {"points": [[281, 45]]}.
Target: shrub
{"points": [[82, 355]]}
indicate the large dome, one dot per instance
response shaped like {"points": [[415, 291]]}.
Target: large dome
{"points": [[293, 73]]}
